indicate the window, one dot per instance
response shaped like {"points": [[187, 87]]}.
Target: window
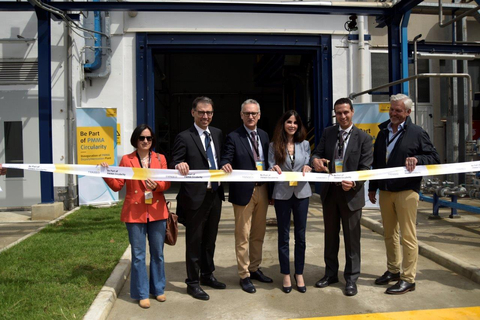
{"points": [[14, 147]]}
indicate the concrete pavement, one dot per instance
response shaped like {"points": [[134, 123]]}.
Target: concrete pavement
{"points": [[437, 287], [452, 242]]}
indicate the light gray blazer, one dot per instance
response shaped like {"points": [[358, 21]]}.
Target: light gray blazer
{"points": [[282, 190]]}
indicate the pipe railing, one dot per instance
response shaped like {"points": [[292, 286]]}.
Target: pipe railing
{"points": [[353, 95], [460, 16]]}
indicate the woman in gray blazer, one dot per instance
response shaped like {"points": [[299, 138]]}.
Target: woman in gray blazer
{"points": [[289, 151]]}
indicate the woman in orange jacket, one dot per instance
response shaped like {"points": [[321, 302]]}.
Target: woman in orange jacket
{"points": [[144, 213]]}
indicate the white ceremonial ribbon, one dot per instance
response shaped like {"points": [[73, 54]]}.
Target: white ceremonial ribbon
{"points": [[247, 175]]}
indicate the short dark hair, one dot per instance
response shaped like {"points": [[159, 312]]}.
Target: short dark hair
{"points": [[138, 131], [343, 101], [198, 100]]}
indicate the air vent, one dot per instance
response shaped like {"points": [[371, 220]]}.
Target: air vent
{"points": [[18, 72]]}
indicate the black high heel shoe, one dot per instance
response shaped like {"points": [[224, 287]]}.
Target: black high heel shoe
{"points": [[300, 289], [286, 289]]}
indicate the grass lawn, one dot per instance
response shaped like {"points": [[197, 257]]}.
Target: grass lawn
{"points": [[58, 272]]}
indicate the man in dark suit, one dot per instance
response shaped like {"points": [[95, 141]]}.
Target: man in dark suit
{"points": [[200, 203], [342, 148], [247, 149]]}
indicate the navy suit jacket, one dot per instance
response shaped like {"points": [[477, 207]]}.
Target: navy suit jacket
{"points": [[189, 148], [239, 154]]}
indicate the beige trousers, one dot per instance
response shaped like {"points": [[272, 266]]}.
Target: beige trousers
{"points": [[250, 224], [399, 213]]}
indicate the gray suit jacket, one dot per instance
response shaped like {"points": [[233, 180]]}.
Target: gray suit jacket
{"points": [[282, 190], [358, 156]]}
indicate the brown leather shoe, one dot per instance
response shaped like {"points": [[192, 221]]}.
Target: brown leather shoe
{"points": [[162, 298], [144, 303]]}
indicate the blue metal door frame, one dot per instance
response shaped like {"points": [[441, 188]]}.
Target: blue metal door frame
{"points": [[319, 46]]}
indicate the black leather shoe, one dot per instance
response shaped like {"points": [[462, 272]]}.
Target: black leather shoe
{"points": [[300, 289], [401, 287], [287, 289], [258, 275], [197, 292], [387, 277], [211, 281], [351, 288], [326, 281], [247, 285]]}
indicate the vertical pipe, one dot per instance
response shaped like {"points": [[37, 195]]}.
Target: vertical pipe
{"points": [[71, 192], [361, 57], [45, 102], [405, 20], [415, 72]]}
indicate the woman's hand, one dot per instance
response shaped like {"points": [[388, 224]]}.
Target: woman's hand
{"points": [[276, 168], [306, 168], [152, 185]]}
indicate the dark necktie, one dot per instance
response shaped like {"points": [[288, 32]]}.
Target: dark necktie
{"points": [[256, 156], [211, 158], [341, 143]]}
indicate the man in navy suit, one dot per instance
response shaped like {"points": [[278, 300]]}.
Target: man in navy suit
{"points": [[200, 203], [247, 149], [342, 148]]}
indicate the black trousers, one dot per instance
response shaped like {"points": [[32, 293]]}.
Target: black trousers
{"points": [[201, 234], [336, 211]]}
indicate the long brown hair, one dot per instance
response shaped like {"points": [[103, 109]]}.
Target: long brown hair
{"points": [[280, 136]]}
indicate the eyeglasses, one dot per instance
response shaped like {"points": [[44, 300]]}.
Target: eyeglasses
{"points": [[202, 113], [248, 114], [142, 138]]}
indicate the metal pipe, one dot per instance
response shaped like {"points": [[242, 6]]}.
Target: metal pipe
{"points": [[415, 72], [460, 16], [445, 56], [361, 54], [429, 75], [404, 43], [70, 159]]}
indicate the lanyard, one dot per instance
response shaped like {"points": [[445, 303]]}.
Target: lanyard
{"points": [[342, 144], [292, 156], [139, 160], [256, 147], [395, 136]]}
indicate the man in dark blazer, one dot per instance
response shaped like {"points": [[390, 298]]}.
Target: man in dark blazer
{"points": [[247, 149], [342, 148], [197, 148]]}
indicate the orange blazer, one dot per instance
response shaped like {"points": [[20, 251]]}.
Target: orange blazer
{"points": [[135, 210]]}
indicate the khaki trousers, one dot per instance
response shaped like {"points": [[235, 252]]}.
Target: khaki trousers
{"points": [[250, 224], [399, 213]]}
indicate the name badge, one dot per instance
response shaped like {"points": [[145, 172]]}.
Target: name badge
{"points": [[293, 183], [148, 197], [338, 165], [259, 165]]}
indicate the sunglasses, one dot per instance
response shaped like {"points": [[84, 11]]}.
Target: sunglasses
{"points": [[142, 138]]}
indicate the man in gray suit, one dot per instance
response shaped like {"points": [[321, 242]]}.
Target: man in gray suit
{"points": [[342, 148]]}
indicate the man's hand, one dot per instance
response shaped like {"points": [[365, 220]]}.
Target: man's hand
{"points": [[183, 168], [227, 168], [347, 185], [321, 165], [372, 196], [410, 163], [3, 171], [104, 165]]}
